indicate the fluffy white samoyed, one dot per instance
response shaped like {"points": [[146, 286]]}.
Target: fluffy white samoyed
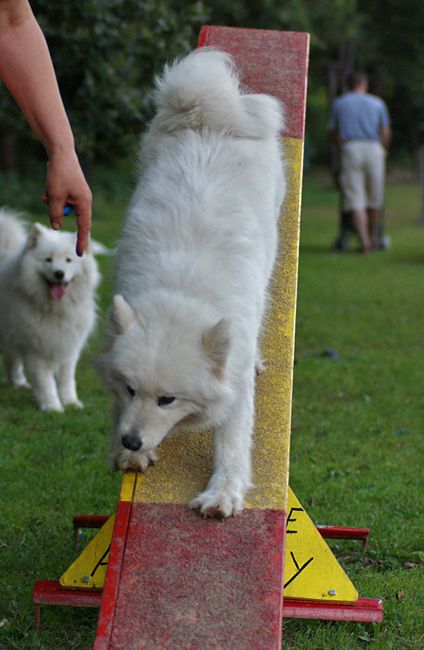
{"points": [[193, 264], [47, 297]]}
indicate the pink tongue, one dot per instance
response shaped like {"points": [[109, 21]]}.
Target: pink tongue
{"points": [[57, 291]]}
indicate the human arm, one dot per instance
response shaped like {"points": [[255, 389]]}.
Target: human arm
{"points": [[27, 70], [335, 143], [386, 136], [385, 129]]}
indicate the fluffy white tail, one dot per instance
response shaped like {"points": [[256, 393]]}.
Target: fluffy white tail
{"points": [[12, 233], [203, 91]]}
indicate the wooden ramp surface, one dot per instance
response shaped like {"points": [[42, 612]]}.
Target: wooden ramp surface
{"points": [[175, 581]]}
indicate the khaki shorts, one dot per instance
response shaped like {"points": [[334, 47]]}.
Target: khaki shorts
{"points": [[362, 174]]}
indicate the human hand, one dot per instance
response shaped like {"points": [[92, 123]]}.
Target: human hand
{"points": [[66, 184]]}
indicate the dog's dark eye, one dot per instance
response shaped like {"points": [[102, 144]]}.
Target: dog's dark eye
{"points": [[163, 401], [130, 391], [68, 259], [48, 259]]}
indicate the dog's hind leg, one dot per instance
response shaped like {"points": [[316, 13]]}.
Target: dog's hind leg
{"points": [[66, 382], [43, 383], [227, 487], [15, 374]]}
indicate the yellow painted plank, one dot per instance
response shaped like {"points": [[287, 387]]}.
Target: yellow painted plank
{"points": [[274, 385], [311, 571], [128, 485], [185, 460], [89, 569]]}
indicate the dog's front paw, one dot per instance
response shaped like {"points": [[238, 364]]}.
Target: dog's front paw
{"points": [[21, 382], [76, 403], [51, 406], [133, 460], [140, 461], [219, 501]]}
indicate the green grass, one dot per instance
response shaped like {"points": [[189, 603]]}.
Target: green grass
{"points": [[357, 449], [356, 443], [53, 466]]}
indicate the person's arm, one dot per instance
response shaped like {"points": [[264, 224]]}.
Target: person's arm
{"points": [[27, 70], [335, 142], [386, 136], [385, 130]]}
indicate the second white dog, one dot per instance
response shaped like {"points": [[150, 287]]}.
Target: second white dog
{"points": [[194, 262], [47, 297]]}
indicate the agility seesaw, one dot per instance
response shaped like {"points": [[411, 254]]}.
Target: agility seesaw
{"points": [[162, 576]]}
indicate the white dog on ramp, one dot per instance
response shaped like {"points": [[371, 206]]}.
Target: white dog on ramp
{"points": [[193, 264], [47, 297]]}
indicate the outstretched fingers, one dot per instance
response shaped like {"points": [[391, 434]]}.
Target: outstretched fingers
{"points": [[83, 216]]}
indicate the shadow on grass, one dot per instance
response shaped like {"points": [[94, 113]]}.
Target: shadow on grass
{"points": [[329, 249], [316, 248]]}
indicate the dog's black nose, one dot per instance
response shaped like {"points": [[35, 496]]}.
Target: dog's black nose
{"points": [[131, 441], [59, 275]]}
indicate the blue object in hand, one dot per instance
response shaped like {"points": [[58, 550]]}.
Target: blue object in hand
{"points": [[67, 209]]}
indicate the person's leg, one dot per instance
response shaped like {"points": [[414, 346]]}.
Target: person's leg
{"points": [[374, 218], [360, 221], [375, 172], [352, 180]]}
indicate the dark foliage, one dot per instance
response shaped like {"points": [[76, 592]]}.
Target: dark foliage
{"points": [[106, 52]]}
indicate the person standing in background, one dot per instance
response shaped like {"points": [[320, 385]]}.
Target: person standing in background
{"points": [[359, 126], [27, 70]]}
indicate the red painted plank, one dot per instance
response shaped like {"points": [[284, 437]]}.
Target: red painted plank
{"points": [[50, 592], [269, 61], [364, 610], [89, 521], [193, 583], [113, 575], [343, 532]]}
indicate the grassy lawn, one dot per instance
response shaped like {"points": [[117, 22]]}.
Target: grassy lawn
{"points": [[356, 456], [356, 444]]}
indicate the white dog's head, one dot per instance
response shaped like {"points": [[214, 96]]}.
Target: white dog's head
{"points": [[166, 371], [51, 266]]}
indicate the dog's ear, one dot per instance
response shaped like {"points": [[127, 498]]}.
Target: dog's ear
{"points": [[34, 235], [122, 315], [216, 344]]}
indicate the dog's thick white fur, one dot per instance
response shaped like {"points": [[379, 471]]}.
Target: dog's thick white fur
{"points": [[193, 265], [47, 298]]}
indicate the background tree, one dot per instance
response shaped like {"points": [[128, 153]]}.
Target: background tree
{"points": [[106, 52], [393, 34], [382, 38]]}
